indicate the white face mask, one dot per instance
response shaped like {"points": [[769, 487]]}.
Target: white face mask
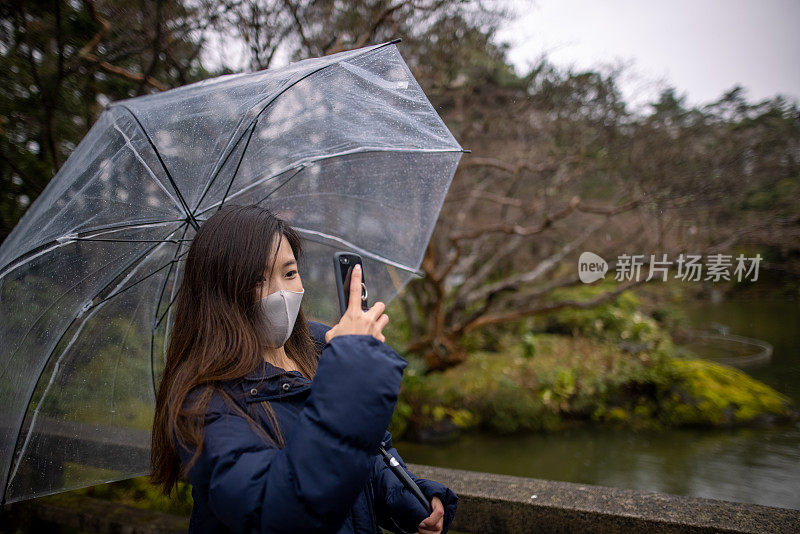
{"points": [[281, 309]]}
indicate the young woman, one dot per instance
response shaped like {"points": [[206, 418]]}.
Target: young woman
{"points": [[276, 421]]}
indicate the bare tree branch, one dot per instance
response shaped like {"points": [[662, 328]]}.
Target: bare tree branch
{"points": [[515, 281], [548, 308], [86, 53]]}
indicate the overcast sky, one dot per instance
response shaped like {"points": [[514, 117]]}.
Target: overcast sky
{"points": [[701, 47]]}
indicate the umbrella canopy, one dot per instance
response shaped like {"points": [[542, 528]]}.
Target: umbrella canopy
{"points": [[347, 148]]}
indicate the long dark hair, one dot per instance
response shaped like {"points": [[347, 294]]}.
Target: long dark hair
{"points": [[218, 331]]}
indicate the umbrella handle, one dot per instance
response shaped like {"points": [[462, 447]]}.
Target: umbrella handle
{"points": [[407, 481]]}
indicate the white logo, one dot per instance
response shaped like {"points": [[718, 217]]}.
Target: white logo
{"points": [[591, 267]]}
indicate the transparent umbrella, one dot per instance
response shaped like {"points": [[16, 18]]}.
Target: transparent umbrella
{"points": [[345, 147]]}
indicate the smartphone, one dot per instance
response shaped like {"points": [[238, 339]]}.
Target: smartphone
{"points": [[343, 263]]}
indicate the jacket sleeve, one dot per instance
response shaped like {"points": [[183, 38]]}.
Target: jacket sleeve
{"points": [[311, 484], [398, 510]]}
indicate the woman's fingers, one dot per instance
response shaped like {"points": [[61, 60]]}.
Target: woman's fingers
{"points": [[378, 327], [375, 311], [357, 321], [383, 320], [433, 523], [354, 302], [436, 528]]}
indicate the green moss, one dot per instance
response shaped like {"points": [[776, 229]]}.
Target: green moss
{"points": [[463, 418], [617, 414], [706, 393]]}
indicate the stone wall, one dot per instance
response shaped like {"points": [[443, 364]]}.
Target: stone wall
{"points": [[490, 503]]}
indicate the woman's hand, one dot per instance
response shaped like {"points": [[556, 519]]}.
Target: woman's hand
{"points": [[357, 321], [433, 523]]}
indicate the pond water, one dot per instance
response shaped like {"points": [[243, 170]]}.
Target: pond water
{"points": [[759, 466]]}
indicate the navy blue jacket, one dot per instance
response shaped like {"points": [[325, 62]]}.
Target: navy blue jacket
{"points": [[329, 477]]}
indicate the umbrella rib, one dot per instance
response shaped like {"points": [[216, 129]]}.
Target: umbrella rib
{"points": [[69, 238], [106, 229], [322, 237], [269, 100], [154, 326], [10, 475], [172, 299], [171, 302], [175, 292], [319, 195], [238, 164], [301, 163], [187, 211], [112, 295], [295, 173], [132, 240], [222, 161], [164, 285], [143, 162]]}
